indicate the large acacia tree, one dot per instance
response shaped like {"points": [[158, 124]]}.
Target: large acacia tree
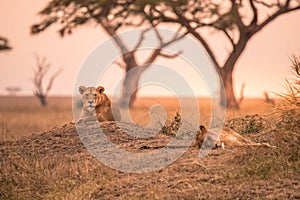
{"points": [[111, 15], [237, 21]]}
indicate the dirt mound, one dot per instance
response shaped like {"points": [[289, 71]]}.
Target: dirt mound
{"points": [[56, 164]]}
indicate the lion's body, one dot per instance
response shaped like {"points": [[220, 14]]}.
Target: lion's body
{"points": [[96, 104], [226, 137]]}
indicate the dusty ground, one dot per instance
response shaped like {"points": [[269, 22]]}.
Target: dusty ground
{"points": [[56, 165]]}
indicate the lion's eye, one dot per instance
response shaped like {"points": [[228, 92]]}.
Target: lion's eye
{"points": [[95, 95], [86, 95]]}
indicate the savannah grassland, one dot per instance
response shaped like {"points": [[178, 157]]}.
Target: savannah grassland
{"points": [[42, 157]]}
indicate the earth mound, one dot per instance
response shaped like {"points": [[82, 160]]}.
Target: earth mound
{"points": [[56, 164]]}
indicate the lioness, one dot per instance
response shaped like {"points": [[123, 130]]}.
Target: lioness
{"points": [[226, 137], [97, 104]]}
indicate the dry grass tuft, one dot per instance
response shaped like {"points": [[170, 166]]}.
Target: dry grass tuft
{"points": [[288, 109], [284, 132], [249, 124], [172, 126], [288, 113]]}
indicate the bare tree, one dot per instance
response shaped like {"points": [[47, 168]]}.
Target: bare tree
{"points": [[111, 15], [4, 44], [42, 68], [12, 90]]}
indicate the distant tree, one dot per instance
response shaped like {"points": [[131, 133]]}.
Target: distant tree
{"points": [[242, 97], [237, 20], [111, 15], [42, 67], [12, 90], [4, 46], [268, 99]]}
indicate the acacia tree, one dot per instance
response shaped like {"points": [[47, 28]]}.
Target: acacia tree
{"points": [[4, 46], [42, 68], [111, 15], [237, 20]]}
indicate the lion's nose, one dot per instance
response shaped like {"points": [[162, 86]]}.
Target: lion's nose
{"points": [[90, 102]]}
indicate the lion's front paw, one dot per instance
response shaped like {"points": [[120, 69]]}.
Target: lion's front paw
{"points": [[86, 119]]}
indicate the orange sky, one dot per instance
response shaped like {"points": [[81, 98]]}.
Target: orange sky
{"points": [[263, 66]]}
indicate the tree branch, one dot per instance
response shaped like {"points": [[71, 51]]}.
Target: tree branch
{"points": [[155, 53], [158, 36], [254, 10], [4, 44], [205, 45], [112, 32], [167, 55], [42, 67], [229, 37], [175, 38], [158, 51], [282, 10], [142, 37], [51, 80], [184, 22], [269, 5]]}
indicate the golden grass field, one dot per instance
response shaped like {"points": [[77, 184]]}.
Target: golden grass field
{"points": [[23, 116], [42, 157]]}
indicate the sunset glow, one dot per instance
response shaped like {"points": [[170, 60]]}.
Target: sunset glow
{"points": [[263, 66]]}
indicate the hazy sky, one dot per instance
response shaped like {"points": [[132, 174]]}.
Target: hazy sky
{"points": [[262, 67]]}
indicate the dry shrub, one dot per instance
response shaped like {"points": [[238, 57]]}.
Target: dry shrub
{"points": [[288, 113], [248, 124], [283, 130], [288, 109], [171, 126]]}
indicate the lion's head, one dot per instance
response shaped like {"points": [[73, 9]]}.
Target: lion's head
{"points": [[91, 96]]}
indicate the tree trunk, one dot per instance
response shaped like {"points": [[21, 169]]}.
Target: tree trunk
{"points": [[229, 94], [227, 72], [43, 100], [131, 80], [130, 87]]}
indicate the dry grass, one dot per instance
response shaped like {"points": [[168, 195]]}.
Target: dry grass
{"points": [[56, 165], [22, 116]]}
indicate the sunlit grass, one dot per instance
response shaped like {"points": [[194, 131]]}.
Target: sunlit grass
{"points": [[22, 116]]}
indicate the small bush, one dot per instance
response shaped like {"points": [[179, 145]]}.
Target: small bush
{"points": [[288, 113], [171, 127], [248, 124], [288, 109], [286, 134]]}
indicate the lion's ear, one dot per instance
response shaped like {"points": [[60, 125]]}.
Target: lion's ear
{"points": [[100, 89], [203, 129], [82, 89]]}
